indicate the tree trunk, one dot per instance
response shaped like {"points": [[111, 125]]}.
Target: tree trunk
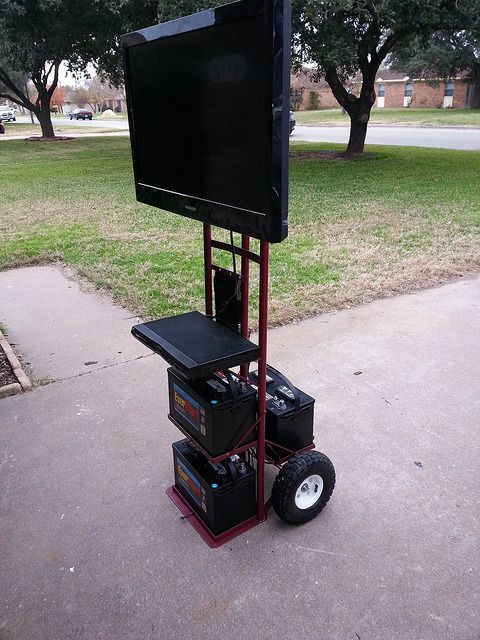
{"points": [[358, 108], [359, 113], [475, 102], [358, 133], [45, 121], [474, 94], [43, 112]]}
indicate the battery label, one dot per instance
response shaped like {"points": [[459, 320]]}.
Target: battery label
{"points": [[187, 407], [189, 482]]}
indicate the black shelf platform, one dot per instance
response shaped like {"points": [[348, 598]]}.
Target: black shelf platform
{"points": [[195, 344]]}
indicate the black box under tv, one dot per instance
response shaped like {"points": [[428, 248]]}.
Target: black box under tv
{"points": [[221, 494], [196, 344]]}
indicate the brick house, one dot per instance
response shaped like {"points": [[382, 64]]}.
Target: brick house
{"points": [[113, 99], [394, 89], [306, 94], [117, 104]]}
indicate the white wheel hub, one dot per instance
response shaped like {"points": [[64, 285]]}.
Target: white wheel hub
{"points": [[309, 492]]}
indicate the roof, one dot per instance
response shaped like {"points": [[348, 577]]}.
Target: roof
{"points": [[390, 75], [303, 79]]}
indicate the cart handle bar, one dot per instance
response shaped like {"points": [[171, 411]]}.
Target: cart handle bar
{"points": [[237, 250]]}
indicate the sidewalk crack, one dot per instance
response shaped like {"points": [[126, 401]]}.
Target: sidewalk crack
{"points": [[49, 381]]}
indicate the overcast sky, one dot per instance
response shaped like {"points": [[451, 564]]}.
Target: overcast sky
{"points": [[67, 78]]}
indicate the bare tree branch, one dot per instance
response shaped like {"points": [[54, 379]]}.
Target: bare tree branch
{"points": [[21, 99], [387, 46], [54, 84], [341, 94]]}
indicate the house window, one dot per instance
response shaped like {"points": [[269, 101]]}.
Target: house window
{"points": [[381, 90], [449, 89], [296, 98], [408, 89]]}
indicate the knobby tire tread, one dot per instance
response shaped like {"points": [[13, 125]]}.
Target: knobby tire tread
{"points": [[288, 479]]}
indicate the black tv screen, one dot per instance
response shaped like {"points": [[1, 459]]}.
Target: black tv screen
{"points": [[208, 104]]}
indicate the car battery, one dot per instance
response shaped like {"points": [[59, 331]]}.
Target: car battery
{"points": [[216, 411], [222, 493], [289, 414]]}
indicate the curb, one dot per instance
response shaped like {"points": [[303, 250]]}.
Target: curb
{"points": [[24, 383]]}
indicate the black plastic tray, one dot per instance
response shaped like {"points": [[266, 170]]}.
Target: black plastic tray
{"points": [[195, 344]]}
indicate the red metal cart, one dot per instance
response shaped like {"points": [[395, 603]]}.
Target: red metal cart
{"points": [[305, 484]]}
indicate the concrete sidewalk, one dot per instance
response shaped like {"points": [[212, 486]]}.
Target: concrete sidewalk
{"points": [[92, 547], [87, 134]]}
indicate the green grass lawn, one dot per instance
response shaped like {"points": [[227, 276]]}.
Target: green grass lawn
{"points": [[420, 117], [394, 221]]}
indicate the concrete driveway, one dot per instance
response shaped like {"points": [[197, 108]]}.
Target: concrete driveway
{"points": [[92, 547]]}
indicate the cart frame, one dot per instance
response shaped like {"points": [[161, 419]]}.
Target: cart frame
{"points": [[257, 447]]}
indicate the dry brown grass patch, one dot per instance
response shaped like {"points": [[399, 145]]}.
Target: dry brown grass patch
{"points": [[407, 255]]}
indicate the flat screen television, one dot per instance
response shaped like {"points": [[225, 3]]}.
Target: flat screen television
{"points": [[208, 107]]}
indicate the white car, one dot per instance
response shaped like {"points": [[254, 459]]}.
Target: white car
{"points": [[7, 113]]}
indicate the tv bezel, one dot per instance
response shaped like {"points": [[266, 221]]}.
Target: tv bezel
{"points": [[271, 225]]}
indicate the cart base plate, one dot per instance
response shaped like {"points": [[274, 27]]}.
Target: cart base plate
{"points": [[203, 531]]}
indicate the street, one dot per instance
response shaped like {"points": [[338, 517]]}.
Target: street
{"points": [[120, 123], [435, 137]]}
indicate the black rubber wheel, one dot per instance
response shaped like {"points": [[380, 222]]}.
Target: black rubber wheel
{"points": [[303, 487]]}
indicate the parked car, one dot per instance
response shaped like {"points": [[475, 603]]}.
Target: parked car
{"points": [[292, 121], [81, 114], [7, 113]]}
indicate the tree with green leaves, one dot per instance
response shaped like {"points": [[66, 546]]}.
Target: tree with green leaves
{"points": [[447, 53], [172, 9], [342, 38], [36, 37]]}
